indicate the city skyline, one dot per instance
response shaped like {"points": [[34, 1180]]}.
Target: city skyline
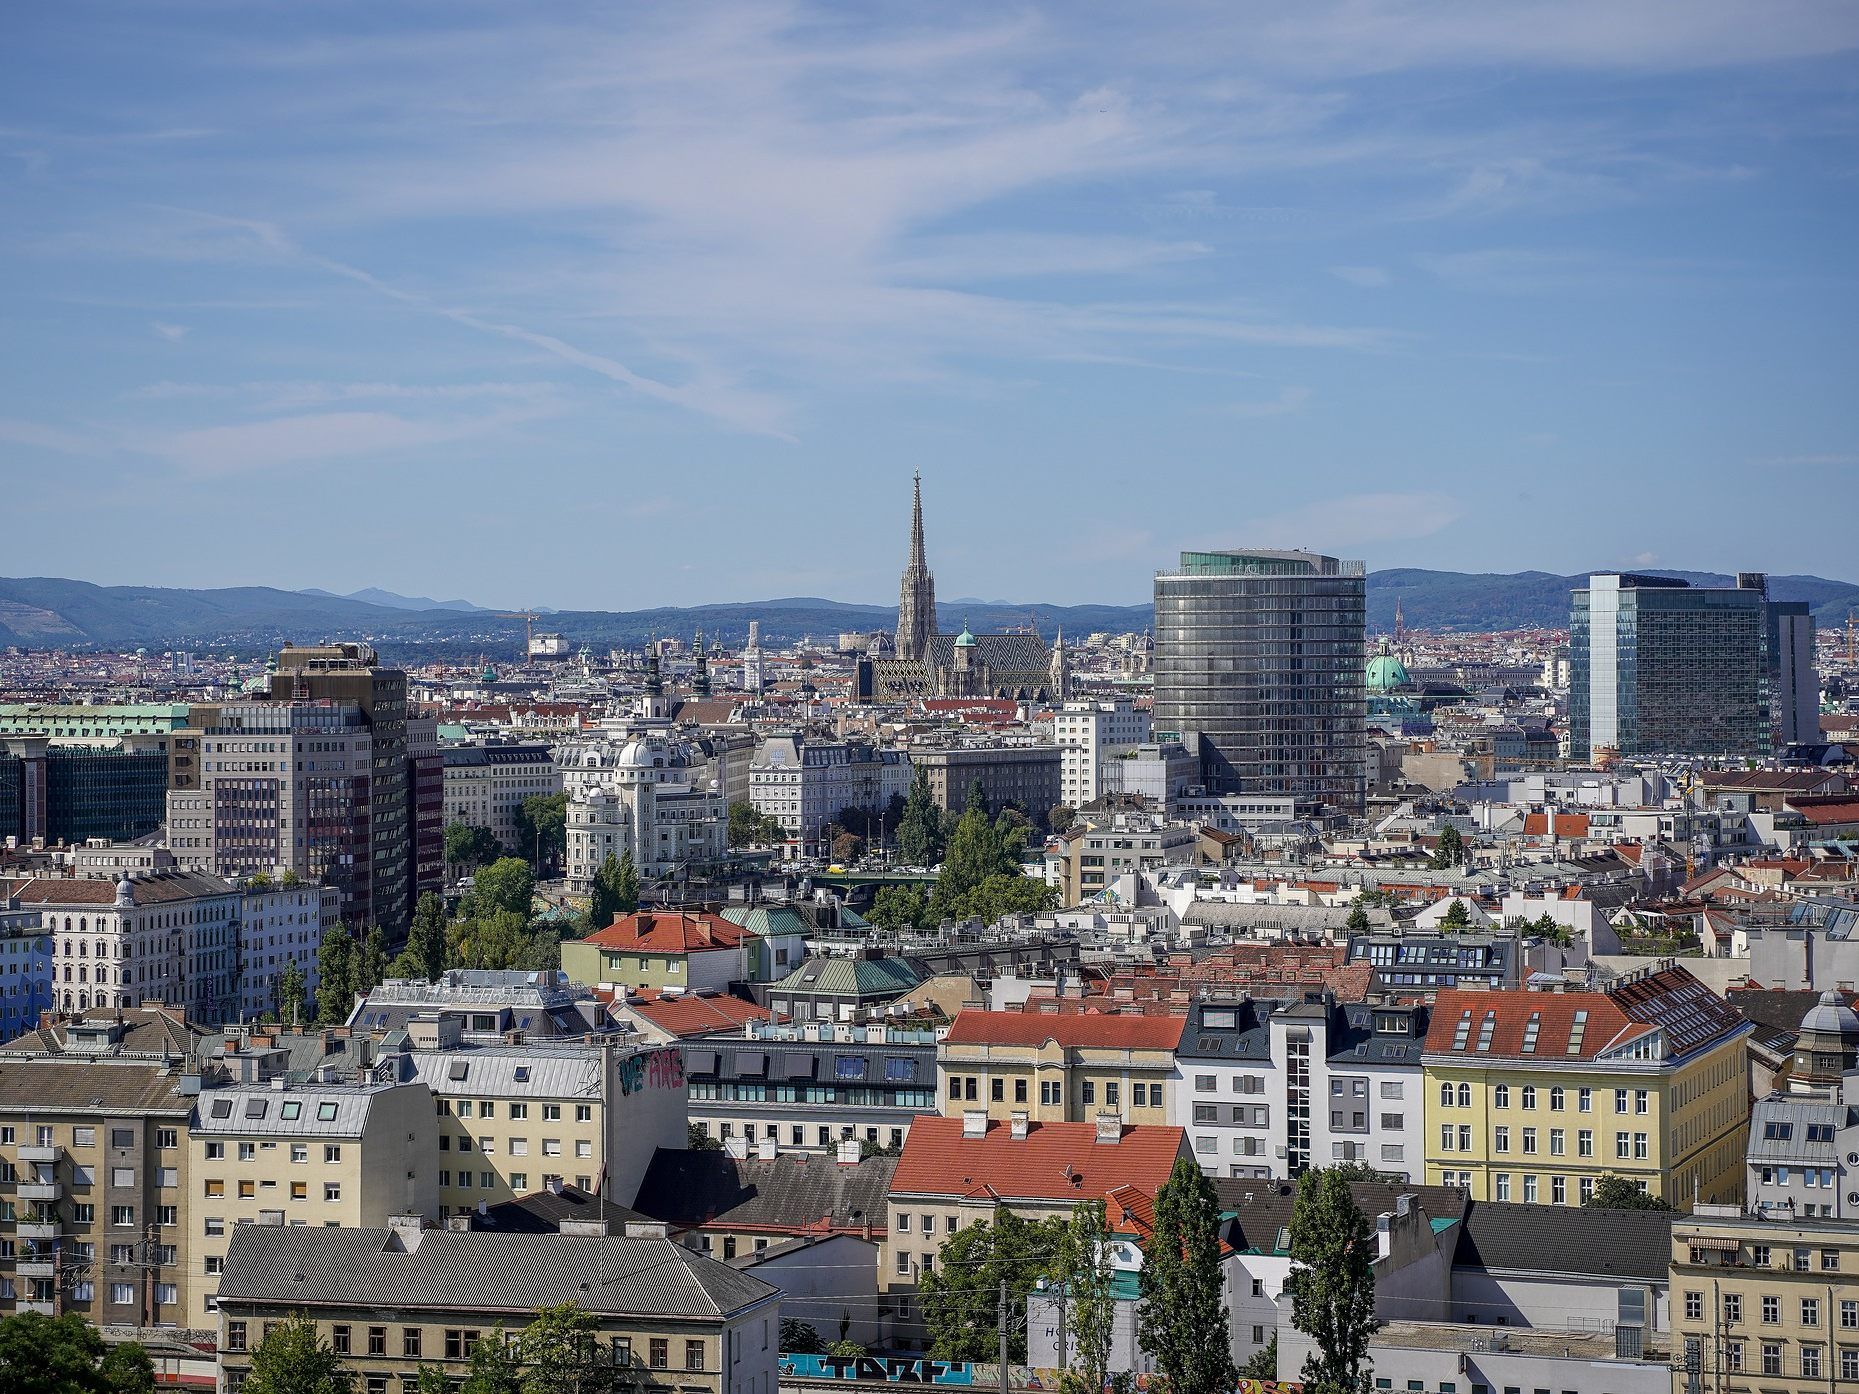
{"points": [[1415, 286]]}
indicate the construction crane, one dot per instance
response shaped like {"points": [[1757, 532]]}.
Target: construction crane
{"points": [[529, 618]]}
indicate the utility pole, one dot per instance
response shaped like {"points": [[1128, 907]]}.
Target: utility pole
{"points": [[1001, 1321]]}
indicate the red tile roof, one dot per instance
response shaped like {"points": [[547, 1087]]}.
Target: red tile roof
{"points": [[1824, 809], [1054, 1161], [1668, 1000], [668, 932], [1567, 825], [700, 1014], [1072, 1031]]}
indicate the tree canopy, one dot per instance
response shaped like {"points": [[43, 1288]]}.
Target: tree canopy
{"points": [[1182, 1317], [542, 830], [615, 891], [1613, 1192], [1332, 1284], [919, 830], [293, 1359], [468, 847], [959, 1295], [1449, 851], [506, 884], [749, 826], [335, 976], [67, 1355]]}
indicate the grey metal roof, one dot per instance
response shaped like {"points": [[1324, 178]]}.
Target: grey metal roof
{"points": [[315, 1110], [789, 1191], [1573, 1239], [530, 1070], [450, 1270], [1778, 1130]]}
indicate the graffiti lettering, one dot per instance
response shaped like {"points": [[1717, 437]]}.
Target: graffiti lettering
{"points": [[660, 1069]]}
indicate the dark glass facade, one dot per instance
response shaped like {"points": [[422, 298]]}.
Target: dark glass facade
{"points": [[1259, 663], [113, 794], [1658, 667]]}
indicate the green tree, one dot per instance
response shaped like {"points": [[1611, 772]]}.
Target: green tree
{"points": [[126, 1369], [976, 796], [1061, 817], [67, 1355], [847, 848], [499, 939], [919, 831], [800, 1338], [559, 1349], [1263, 1362], [1613, 1192], [506, 884], [495, 1368], [431, 1380], [335, 976], [898, 907], [960, 1294], [1002, 894], [975, 852], [748, 826], [1456, 918], [1449, 851], [1182, 1318], [697, 1140], [1357, 923], [293, 1359], [542, 830], [291, 986], [468, 847], [370, 961], [1332, 1283], [607, 898], [426, 938], [290, 879], [1090, 1294]]}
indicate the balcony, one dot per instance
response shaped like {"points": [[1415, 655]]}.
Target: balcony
{"points": [[41, 1190], [42, 1308], [43, 1227], [47, 1155], [37, 1268]]}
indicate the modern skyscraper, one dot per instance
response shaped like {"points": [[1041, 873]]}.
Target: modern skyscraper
{"points": [[1794, 685], [916, 601], [1259, 663], [1658, 666], [352, 673]]}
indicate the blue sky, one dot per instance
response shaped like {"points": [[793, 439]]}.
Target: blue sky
{"points": [[612, 306]]}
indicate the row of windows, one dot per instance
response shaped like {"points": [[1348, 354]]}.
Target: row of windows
{"points": [[1771, 1304], [1052, 1092], [1625, 1100], [459, 1344]]}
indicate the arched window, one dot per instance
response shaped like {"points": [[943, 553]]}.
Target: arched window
{"points": [[1445, 1096], [1465, 1096]]}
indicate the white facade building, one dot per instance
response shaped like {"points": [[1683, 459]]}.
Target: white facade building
{"points": [[280, 926], [1088, 733], [641, 798], [485, 785], [806, 785]]}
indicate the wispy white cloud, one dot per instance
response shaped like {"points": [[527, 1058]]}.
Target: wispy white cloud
{"points": [[38, 436], [312, 439], [173, 333]]}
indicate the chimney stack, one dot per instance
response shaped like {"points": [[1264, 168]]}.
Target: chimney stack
{"points": [[1109, 1129], [1019, 1123], [974, 1122]]}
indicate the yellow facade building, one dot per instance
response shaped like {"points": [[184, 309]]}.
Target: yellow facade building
{"points": [[1533, 1096], [1061, 1067]]}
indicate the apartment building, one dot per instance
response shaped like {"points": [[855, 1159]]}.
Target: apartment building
{"points": [[1088, 858], [169, 936], [486, 783], [1803, 1139], [520, 1116], [1025, 776], [25, 970], [93, 1183], [398, 1299], [690, 949], [280, 927], [648, 797], [263, 1150], [811, 1086], [1766, 1305], [1060, 1068], [806, 785], [1534, 1096], [955, 1172], [1272, 1088], [1089, 733]]}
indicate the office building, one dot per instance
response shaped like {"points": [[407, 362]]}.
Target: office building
{"points": [[1533, 1096], [1662, 667], [351, 673], [806, 785], [1026, 776], [1089, 733], [1259, 671], [280, 927], [68, 791], [1794, 684], [396, 1299]]}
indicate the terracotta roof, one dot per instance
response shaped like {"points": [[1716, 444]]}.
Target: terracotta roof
{"points": [[668, 932], [1054, 1161], [1668, 1000], [159, 889], [1822, 809], [1095, 1031], [1567, 825], [699, 1014]]}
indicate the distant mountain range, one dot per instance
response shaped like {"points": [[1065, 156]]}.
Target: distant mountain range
{"points": [[46, 612]]}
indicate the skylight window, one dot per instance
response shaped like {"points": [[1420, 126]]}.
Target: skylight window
{"points": [[1485, 1028], [1530, 1029], [1463, 1030]]}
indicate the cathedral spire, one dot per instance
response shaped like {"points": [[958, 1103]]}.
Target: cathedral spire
{"points": [[916, 601]]}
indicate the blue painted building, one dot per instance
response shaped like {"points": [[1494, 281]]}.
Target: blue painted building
{"points": [[25, 971]]}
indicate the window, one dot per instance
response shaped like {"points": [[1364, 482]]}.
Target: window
{"points": [[1733, 1307], [1759, 1255], [693, 1355], [1503, 1185], [1559, 1189], [1810, 1311], [126, 1214], [1529, 1096], [1641, 1100], [1529, 1190], [377, 1340], [1558, 1142], [1557, 1097], [1584, 1100], [1849, 1315], [1849, 1363], [1694, 1306], [1771, 1358], [1771, 1311], [1810, 1362], [332, 1191], [331, 1154], [660, 1356], [1733, 1356], [339, 1339], [1529, 1141], [1500, 1139], [235, 1336], [1584, 1142]]}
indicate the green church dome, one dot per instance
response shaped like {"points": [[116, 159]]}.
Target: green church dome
{"points": [[964, 640], [1385, 672]]}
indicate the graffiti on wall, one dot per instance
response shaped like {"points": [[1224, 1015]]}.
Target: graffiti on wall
{"points": [[655, 1069]]}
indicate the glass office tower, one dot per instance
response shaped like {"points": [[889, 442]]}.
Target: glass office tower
{"points": [[1259, 663], [1661, 667]]}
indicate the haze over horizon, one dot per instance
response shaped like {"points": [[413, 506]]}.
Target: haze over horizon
{"points": [[599, 309]]}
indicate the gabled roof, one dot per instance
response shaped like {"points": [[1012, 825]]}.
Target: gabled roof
{"points": [[882, 978], [1613, 1245], [158, 888], [457, 1271], [1079, 1031], [158, 1031], [668, 932], [1053, 1162], [1563, 1026], [698, 1014], [792, 1191]]}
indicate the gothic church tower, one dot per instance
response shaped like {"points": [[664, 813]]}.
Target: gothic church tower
{"points": [[916, 602]]}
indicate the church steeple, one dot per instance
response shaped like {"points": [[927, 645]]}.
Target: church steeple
{"points": [[1059, 678], [916, 601]]}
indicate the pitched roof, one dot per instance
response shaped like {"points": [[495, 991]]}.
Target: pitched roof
{"points": [[91, 1086], [477, 1271], [1561, 1026], [161, 1031], [886, 977], [1608, 1244], [668, 932], [158, 888], [792, 1191], [1260, 1208], [1074, 1031], [1054, 1161], [1566, 825], [698, 1014], [542, 1212]]}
